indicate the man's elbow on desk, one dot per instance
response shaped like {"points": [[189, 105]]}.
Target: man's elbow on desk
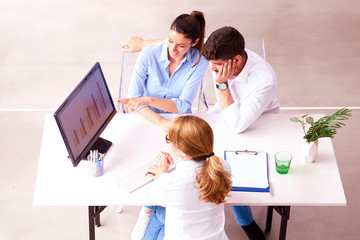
{"points": [[239, 129], [236, 124]]}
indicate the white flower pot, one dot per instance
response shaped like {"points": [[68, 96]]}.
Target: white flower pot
{"points": [[309, 151]]}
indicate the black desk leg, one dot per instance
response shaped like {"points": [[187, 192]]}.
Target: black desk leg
{"points": [[94, 219], [269, 218], [284, 212], [284, 219]]}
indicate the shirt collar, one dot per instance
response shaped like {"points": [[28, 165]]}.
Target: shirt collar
{"points": [[189, 165], [243, 75], [164, 54], [191, 56]]}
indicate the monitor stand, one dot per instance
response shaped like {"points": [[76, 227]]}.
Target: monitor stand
{"points": [[102, 145]]}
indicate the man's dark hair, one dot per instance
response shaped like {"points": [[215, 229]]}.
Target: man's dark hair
{"points": [[223, 44]]}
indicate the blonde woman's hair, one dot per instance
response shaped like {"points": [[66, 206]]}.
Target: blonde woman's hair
{"points": [[194, 137]]}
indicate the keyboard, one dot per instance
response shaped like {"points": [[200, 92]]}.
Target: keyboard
{"points": [[135, 178]]}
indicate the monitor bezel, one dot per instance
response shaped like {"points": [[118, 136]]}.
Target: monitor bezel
{"points": [[82, 155]]}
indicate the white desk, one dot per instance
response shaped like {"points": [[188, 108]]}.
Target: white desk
{"points": [[136, 140]]}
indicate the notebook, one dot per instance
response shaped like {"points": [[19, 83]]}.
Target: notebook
{"points": [[249, 170]]}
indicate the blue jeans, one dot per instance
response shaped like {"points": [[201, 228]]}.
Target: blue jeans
{"points": [[243, 215], [155, 228]]}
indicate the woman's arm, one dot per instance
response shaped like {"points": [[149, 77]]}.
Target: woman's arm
{"points": [[153, 117], [188, 93], [136, 44], [132, 104], [163, 104]]}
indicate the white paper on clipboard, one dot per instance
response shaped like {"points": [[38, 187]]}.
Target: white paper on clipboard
{"points": [[249, 171]]}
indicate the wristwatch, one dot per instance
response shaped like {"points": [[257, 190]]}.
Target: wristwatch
{"points": [[222, 86]]}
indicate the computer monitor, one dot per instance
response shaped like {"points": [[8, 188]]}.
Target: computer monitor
{"points": [[84, 115]]}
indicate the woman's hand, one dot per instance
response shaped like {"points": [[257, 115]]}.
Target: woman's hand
{"points": [[132, 104], [133, 44], [164, 160]]}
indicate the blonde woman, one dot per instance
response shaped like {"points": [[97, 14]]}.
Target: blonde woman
{"points": [[195, 192]]}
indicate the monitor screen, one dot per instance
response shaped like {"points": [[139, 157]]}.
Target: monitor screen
{"points": [[85, 113]]}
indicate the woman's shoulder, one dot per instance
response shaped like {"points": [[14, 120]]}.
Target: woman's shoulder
{"points": [[193, 57], [152, 52], [257, 64], [193, 53], [153, 48]]}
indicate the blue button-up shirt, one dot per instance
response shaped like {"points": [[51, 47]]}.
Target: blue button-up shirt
{"points": [[151, 77]]}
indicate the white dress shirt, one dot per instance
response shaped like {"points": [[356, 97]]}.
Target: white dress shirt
{"points": [[253, 91], [187, 217]]}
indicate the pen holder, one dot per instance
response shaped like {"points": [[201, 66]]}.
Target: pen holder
{"points": [[96, 167]]}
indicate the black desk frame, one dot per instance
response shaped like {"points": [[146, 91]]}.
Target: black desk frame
{"points": [[284, 211], [94, 219]]}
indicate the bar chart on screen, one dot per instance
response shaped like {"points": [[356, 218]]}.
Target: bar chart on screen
{"points": [[94, 108]]}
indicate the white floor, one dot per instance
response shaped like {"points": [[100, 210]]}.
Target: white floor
{"points": [[46, 47]]}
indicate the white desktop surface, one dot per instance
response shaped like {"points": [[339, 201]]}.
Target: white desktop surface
{"points": [[136, 140]]}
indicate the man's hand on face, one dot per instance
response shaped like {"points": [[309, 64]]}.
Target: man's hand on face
{"points": [[225, 72]]}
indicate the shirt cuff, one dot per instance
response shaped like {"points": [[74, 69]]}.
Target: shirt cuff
{"points": [[183, 106], [215, 109]]}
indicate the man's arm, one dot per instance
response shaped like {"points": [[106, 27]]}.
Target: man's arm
{"points": [[136, 44], [239, 116], [224, 74]]}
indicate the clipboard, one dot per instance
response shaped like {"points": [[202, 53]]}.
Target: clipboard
{"points": [[249, 170]]}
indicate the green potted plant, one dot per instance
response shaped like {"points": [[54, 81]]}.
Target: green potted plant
{"points": [[324, 127]]}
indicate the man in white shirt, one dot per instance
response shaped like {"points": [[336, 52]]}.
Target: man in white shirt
{"points": [[245, 82], [246, 88]]}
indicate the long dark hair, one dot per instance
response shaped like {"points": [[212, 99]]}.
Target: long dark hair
{"points": [[193, 27]]}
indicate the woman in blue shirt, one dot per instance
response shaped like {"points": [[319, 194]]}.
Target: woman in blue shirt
{"points": [[167, 75]]}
